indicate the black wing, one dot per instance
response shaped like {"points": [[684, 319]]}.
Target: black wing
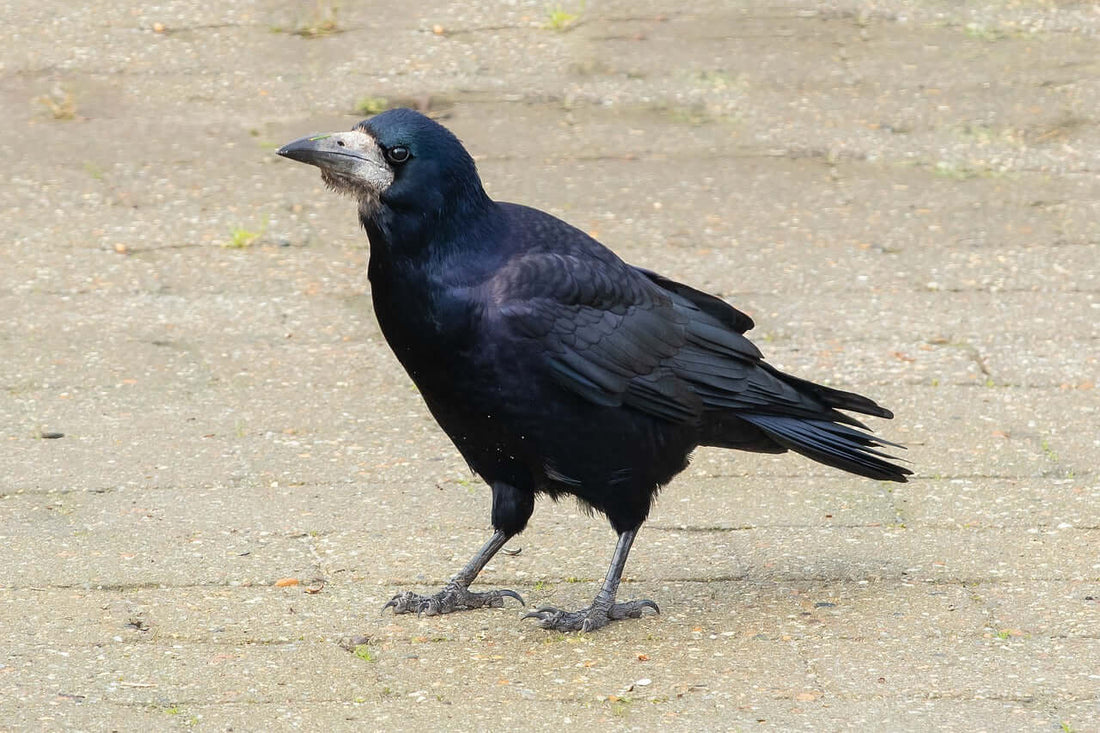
{"points": [[618, 335], [712, 306], [604, 330]]}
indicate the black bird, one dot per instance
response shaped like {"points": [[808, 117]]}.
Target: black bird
{"points": [[555, 367]]}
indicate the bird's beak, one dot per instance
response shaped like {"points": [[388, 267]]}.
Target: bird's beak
{"points": [[340, 152], [351, 162]]}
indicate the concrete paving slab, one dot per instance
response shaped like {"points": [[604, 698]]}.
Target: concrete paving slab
{"points": [[993, 668], [905, 196], [1057, 609], [1041, 504]]}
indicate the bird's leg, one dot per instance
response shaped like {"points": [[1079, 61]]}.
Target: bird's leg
{"points": [[456, 595], [604, 609]]}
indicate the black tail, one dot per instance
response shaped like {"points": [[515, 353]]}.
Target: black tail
{"points": [[836, 398], [833, 444]]}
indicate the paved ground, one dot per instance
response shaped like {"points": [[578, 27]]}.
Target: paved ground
{"points": [[905, 196]]}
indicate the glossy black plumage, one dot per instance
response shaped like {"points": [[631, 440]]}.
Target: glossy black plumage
{"points": [[554, 366]]}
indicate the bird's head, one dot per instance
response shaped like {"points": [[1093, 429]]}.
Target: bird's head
{"points": [[398, 164]]}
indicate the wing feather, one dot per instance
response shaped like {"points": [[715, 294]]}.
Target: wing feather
{"points": [[619, 335], [607, 332]]}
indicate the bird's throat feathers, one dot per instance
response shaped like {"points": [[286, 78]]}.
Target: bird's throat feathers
{"points": [[430, 227], [367, 196]]}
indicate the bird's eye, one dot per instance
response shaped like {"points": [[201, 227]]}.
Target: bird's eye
{"points": [[398, 154]]}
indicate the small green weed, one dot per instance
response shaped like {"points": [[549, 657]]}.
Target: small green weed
{"points": [[241, 238], [372, 105], [620, 706], [1049, 452], [559, 19]]}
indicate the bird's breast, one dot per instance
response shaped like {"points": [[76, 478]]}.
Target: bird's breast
{"points": [[425, 324]]}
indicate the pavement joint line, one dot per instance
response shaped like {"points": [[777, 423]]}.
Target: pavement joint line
{"points": [[751, 578]]}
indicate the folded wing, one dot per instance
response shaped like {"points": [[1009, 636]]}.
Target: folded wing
{"points": [[623, 336]]}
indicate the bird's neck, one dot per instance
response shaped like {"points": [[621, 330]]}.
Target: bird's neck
{"points": [[419, 239], [420, 284]]}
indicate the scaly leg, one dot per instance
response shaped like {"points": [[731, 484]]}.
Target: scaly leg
{"points": [[604, 609], [456, 595]]}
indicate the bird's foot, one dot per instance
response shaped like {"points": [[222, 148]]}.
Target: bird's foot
{"points": [[591, 618], [453, 597]]}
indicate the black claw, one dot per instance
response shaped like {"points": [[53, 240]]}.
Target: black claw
{"points": [[513, 594], [391, 603], [650, 604], [542, 615]]}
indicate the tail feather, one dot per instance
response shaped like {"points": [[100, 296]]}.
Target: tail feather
{"points": [[837, 398], [833, 444]]}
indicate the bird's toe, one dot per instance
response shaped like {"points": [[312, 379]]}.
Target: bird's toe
{"points": [[591, 618], [452, 598], [632, 609], [406, 602]]}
